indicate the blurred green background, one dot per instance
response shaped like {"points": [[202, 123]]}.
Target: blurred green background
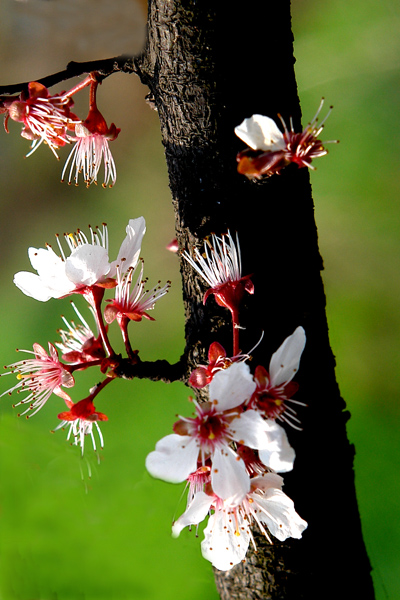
{"points": [[67, 536]]}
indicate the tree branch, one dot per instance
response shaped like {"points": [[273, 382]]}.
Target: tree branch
{"points": [[208, 67], [105, 68], [158, 370]]}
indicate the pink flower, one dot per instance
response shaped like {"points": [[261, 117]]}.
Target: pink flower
{"points": [[133, 302], [46, 118], [221, 268], [78, 342], [92, 137], [217, 360], [81, 418], [228, 533], [275, 389], [40, 377], [271, 150]]}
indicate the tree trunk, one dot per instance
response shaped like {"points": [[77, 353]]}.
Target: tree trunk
{"points": [[208, 66]]}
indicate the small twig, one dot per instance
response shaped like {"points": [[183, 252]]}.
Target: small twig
{"points": [[105, 68], [158, 370]]}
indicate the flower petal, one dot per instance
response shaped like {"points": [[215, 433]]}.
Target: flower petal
{"points": [[129, 251], [267, 480], [45, 261], [250, 429], [279, 515], [31, 285], [261, 133], [224, 545], [174, 458], [194, 514], [51, 281], [278, 455], [232, 386], [87, 264], [285, 361], [229, 478]]}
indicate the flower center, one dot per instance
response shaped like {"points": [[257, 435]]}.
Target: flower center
{"points": [[211, 428], [273, 406]]}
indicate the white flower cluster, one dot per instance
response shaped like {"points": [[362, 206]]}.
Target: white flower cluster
{"points": [[230, 453]]}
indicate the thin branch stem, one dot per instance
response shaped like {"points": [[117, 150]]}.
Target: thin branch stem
{"points": [[158, 370], [104, 68]]}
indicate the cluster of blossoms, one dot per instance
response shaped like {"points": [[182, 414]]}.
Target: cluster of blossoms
{"points": [[86, 270], [231, 451], [271, 150], [49, 119]]}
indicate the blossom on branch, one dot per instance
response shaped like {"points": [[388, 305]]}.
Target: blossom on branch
{"points": [[221, 268], [88, 265], [78, 342], [81, 418], [91, 148], [275, 389], [217, 360], [40, 377], [46, 118], [133, 302], [209, 436], [270, 150], [228, 532]]}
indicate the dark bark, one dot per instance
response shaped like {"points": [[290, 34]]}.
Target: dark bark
{"points": [[208, 66]]}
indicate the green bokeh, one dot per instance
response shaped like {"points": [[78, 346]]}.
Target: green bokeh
{"points": [[66, 535]]}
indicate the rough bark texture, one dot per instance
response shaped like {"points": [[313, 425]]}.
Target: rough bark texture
{"points": [[207, 68]]}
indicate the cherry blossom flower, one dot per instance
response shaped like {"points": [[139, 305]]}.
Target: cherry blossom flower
{"points": [[78, 342], [133, 302], [87, 265], [40, 377], [271, 150], [91, 148], [81, 418], [209, 434], [228, 534], [217, 360], [275, 389], [221, 268], [46, 118]]}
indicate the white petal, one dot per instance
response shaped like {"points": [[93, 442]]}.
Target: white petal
{"points": [[87, 265], [229, 478], [278, 455], [174, 458], [279, 515], [45, 261], [231, 387], [129, 251], [194, 514], [285, 362], [41, 288], [224, 545], [31, 285], [261, 133], [267, 480], [51, 281], [251, 430]]}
